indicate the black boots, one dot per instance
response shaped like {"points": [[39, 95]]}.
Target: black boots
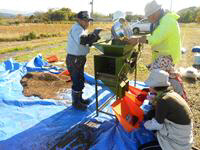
{"points": [[77, 100]]}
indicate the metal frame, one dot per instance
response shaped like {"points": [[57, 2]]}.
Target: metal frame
{"points": [[96, 91], [97, 101], [103, 106]]}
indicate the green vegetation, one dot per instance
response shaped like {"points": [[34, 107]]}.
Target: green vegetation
{"points": [[45, 52], [64, 14], [188, 15], [29, 47], [33, 35]]}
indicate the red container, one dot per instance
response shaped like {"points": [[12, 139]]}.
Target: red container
{"points": [[66, 72], [133, 98], [65, 75], [140, 94], [52, 58], [127, 107]]}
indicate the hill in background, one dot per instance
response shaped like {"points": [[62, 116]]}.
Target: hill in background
{"points": [[5, 13]]}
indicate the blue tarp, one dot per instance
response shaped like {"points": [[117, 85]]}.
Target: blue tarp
{"points": [[196, 49], [34, 123]]}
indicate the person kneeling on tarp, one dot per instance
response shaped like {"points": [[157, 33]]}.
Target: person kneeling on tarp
{"points": [[172, 120]]}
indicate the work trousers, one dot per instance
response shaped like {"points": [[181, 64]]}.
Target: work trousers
{"points": [[75, 66]]}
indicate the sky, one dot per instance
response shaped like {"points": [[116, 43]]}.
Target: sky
{"points": [[100, 6]]}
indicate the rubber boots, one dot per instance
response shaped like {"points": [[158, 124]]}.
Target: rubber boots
{"points": [[76, 100], [84, 101]]}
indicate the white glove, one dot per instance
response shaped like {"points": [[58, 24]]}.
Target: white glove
{"points": [[153, 125]]}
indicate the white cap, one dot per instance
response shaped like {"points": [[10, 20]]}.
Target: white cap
{"points": [[118, 15]]}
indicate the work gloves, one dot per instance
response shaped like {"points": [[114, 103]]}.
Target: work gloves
{"points": [[95, 36], [91, 37]]}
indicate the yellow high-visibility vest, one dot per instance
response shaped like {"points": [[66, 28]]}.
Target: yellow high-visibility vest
{"points": [[165, 39]]}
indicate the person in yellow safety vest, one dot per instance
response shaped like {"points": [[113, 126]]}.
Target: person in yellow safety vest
{"points": [[165, 42]]}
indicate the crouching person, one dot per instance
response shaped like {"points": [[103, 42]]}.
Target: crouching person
{"points": [[172, 121], [79, 42]]}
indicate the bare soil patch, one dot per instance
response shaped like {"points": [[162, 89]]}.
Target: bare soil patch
{"points": [[45, 85]]}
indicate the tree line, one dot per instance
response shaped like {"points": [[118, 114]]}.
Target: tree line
{"points": [[55, 15], [187, 15], [63, 14]]}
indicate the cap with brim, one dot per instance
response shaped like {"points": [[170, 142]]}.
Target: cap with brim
{"points": [[83, 15], [151, 8], [158, 78]]}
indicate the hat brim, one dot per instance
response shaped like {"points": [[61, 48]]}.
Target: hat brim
{"points": [[153, 83], [90, 19]]}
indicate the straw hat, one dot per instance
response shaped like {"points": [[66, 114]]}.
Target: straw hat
{"points": [[158, 78], [151, 8]]}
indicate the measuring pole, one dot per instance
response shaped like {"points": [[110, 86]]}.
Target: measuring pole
{"points": [[171, 6], [92, 3]]}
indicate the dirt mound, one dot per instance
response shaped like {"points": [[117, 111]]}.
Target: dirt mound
{"points": [[45, 85]]}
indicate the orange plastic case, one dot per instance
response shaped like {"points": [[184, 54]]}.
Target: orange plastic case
{"points": [[133, 98], [66, 72], [65, 75], [52, 58], [128, 105], [140, 94]]}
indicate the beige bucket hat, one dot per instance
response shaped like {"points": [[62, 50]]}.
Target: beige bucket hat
{"points": [[151, 8], [158, 78]]}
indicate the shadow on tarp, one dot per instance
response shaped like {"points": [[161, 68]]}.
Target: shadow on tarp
{"points": [[109, 135], [46, 133], [112, 136]]}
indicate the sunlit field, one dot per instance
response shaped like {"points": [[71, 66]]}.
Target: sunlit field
{"points": [[28, 36]]}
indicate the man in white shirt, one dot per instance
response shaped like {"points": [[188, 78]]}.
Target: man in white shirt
{"points": [[79, 42]]}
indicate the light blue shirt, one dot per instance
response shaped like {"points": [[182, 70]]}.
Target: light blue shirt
{"points": [[74, 46]]}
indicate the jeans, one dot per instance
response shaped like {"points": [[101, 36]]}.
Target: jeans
{"points": [[75, 66]]}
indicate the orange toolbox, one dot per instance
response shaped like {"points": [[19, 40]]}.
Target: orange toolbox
{"points": [[128, 111]]}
